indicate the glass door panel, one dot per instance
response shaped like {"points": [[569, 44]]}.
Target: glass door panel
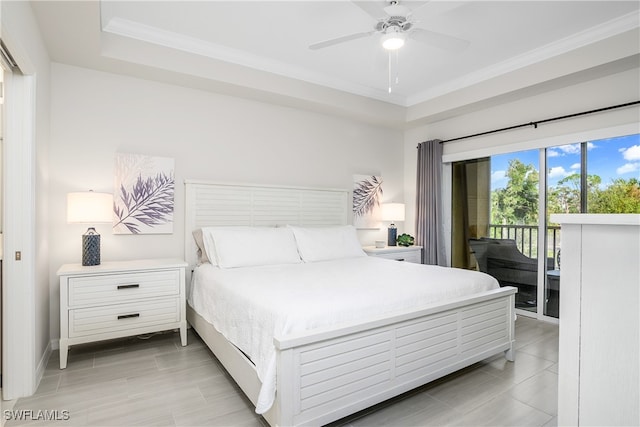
{"points": [[470, 210], [495, 220], [512, 252], [564, 195]]}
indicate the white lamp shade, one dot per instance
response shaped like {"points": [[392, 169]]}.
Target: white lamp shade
{"points": [[89, 207], [393, 212]]}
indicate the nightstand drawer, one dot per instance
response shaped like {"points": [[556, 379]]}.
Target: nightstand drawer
{"points": [[397, 253], [122, 317], [413, 256], [115, 288]]}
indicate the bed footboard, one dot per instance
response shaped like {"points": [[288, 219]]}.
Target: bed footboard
{"points": [[336, 372]]}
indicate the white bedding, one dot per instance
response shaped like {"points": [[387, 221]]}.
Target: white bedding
{"points": [[251, 305]]}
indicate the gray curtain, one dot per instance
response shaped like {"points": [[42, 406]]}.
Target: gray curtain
{"points": [[429, 224]]}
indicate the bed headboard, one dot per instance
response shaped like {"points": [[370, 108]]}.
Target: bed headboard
{"points": [[220, 204]]}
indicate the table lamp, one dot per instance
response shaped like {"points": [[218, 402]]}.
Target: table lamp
{"points": [[89, 207], [392, 212]]}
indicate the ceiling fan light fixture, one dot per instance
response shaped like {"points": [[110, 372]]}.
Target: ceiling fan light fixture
{"points": [[393, 40]]}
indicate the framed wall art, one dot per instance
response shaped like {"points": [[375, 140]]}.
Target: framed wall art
{"points": [[367, 196], [143, 200]]}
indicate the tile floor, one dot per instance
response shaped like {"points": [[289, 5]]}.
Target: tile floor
{"points": [[156, 382]]}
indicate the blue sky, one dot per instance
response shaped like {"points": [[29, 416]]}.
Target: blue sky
{"points": [[609, 158]]}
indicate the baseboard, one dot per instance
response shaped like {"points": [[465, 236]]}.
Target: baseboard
{"points": [[42, 365]]}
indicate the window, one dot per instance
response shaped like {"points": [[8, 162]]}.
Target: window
{"points": [[600, 176], [589, 177]]}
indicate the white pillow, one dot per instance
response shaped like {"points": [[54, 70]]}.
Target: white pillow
{"points": [[202, 250], [250, 246], [326, 243], [208, 244]]}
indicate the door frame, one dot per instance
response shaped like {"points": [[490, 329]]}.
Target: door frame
{"points": [[18, 276]]}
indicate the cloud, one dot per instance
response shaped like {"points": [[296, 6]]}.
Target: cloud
{"points": [[558, 172], [575, 166], [631, 154], [497, 176], [570, 149], [628, 168]]}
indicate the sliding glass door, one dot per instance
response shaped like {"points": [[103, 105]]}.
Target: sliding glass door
{"points": [[501, 207]]}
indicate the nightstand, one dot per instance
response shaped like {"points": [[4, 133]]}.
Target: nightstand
{"points": [[120, 299], [398, 253]]}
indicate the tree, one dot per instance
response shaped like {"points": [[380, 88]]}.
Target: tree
{"points": [[621, 196], [517, 203], [565, 196]]}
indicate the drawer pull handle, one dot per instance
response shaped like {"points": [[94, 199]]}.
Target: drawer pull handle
{"points": [[127, 316], [137, 285], [400, 259]]}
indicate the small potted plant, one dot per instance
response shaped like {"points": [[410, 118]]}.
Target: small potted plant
{"points": [[405, 240]]}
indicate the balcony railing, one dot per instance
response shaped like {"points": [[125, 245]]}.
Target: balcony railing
{"points": [[526, 237]]}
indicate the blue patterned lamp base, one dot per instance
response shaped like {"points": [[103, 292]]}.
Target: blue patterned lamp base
{"points": [[91, 247], [392, 235]]}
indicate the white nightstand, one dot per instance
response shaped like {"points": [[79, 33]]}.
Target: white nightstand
{"points": [[119, 299], [398, 253]]}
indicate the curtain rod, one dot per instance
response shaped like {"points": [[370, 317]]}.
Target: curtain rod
{"points": [[536, 123]]}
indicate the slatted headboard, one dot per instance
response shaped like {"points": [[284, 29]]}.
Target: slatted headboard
{"points": [[220, 204]]}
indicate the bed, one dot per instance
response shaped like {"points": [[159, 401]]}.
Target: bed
{"points": [[311, 371]]}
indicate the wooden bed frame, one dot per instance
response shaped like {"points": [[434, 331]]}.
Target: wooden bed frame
{"points": [[329, 373]]}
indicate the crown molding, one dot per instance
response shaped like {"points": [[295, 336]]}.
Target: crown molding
{"points": [[592, 35], [146, 33]]}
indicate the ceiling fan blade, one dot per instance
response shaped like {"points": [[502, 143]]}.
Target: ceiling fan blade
{"points": [[417, 5], [397, 10], [337, 40], [439, 40], [375, 9]]}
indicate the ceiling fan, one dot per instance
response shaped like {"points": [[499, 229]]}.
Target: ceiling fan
{"points": [[395, 28]]}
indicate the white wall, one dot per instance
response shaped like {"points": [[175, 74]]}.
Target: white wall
{"points": [[601, 92], [210, 136]]}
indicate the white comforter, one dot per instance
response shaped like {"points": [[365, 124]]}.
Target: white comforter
{"points": [[251, 305]]}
